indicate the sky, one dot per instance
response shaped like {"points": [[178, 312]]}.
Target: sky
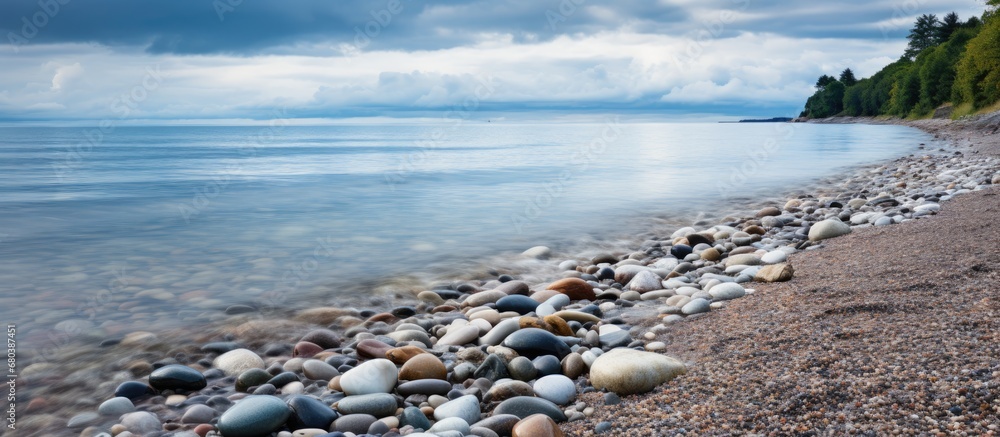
{"points": [[231, 60]]}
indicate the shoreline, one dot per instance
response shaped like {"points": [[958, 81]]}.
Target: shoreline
{"points": [[252, 334]]}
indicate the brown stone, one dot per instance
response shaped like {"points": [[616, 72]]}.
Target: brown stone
{"points": [[537, 425], [401, 355], [754, 230], [775, 273], [768, 212], [203, 429], [443, 309], [423, 366], [334, 384], [372, 348], [305, 349], [382, 317], [575, 288], [696, 239], [532, 322], [557, 325], [323, 315], [710, 254], [573, 365], [543, 295]]}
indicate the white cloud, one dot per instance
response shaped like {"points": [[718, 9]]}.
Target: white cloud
{"points": [[64, 74]]}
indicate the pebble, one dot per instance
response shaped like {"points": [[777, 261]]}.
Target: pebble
{"points": [[534, 342], [177, 377], [645, 281], [376, 404], [423, 366], [451, 424], [374, 376], [574, 288], [775, 273], [696, 306], [524, 406], [353, 423], [141, 422], [725, 291], [465, 408], [830, 228], [238, 361], [116, 407], [558, 389], [458, 336], [628, 371], [83, 419], [536, 425]]}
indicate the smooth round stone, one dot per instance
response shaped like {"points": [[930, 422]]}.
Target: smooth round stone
{"points": [[568, 265], [500, 332], [492, 368], [574, 288], [254, 416], [536, 425], [451, 424], [696, 306], [517, 303], [927, 208], [133, 390], [524, 406], [615, 339], [546, 365], [465, 408], [177, 377], [775, 256], [534, 342], [725, 291], [198, 414], [521, 368], [141, 422], [423, 366], [508, 389], [645, 281], [319, 370], [82, 420], [628, 371], [558, 389], [411, 335], [537, 252], [459, 335], [412, 416], [252, 378], [573, 365], [374, 376], [372, 348], [424, 387], [680, 251], [353, 423], [309, 412], [829, 228], [376, 404], [238, 361], [116, 407], [883, 221], [325, 338]]}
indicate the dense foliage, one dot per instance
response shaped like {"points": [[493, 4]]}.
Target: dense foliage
{"points": [[946, 61]]}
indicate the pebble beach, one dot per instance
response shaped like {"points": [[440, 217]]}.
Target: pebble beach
{"points": [[863, 305]]}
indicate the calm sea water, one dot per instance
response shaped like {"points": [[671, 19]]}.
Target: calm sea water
{"points": [[150, 224]]}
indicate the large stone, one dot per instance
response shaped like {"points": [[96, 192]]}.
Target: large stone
{"points": [[517, 303], [830, 228], [774, 257], [254, 416], [775, 273], [628, 371], [375, 376], [465, 408], [695, 306], [141, 422], [538, 252], [238, 361], [177, 377], [575, 288], [533, 342], [500, 332], [423, 366], [116, 407], [744, 259], [353, 423]]}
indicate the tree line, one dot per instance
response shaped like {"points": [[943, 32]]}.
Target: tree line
{"points": [[946, 61]]}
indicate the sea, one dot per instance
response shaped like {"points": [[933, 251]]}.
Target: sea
{"points": [[155, 227]]}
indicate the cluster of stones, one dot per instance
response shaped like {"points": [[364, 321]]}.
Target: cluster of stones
{"points": [[503, 357]]}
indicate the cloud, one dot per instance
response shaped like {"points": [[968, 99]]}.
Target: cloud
{"points": [[64, 74], [417, 57]]}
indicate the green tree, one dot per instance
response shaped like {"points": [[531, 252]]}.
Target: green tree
{"points": [[854, 98], [824, 80], [978, 74], [922, 35], [847, 78], [948, 26], [905, 93]]}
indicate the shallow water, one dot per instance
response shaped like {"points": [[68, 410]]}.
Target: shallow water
{"points": [[153, 226]]}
